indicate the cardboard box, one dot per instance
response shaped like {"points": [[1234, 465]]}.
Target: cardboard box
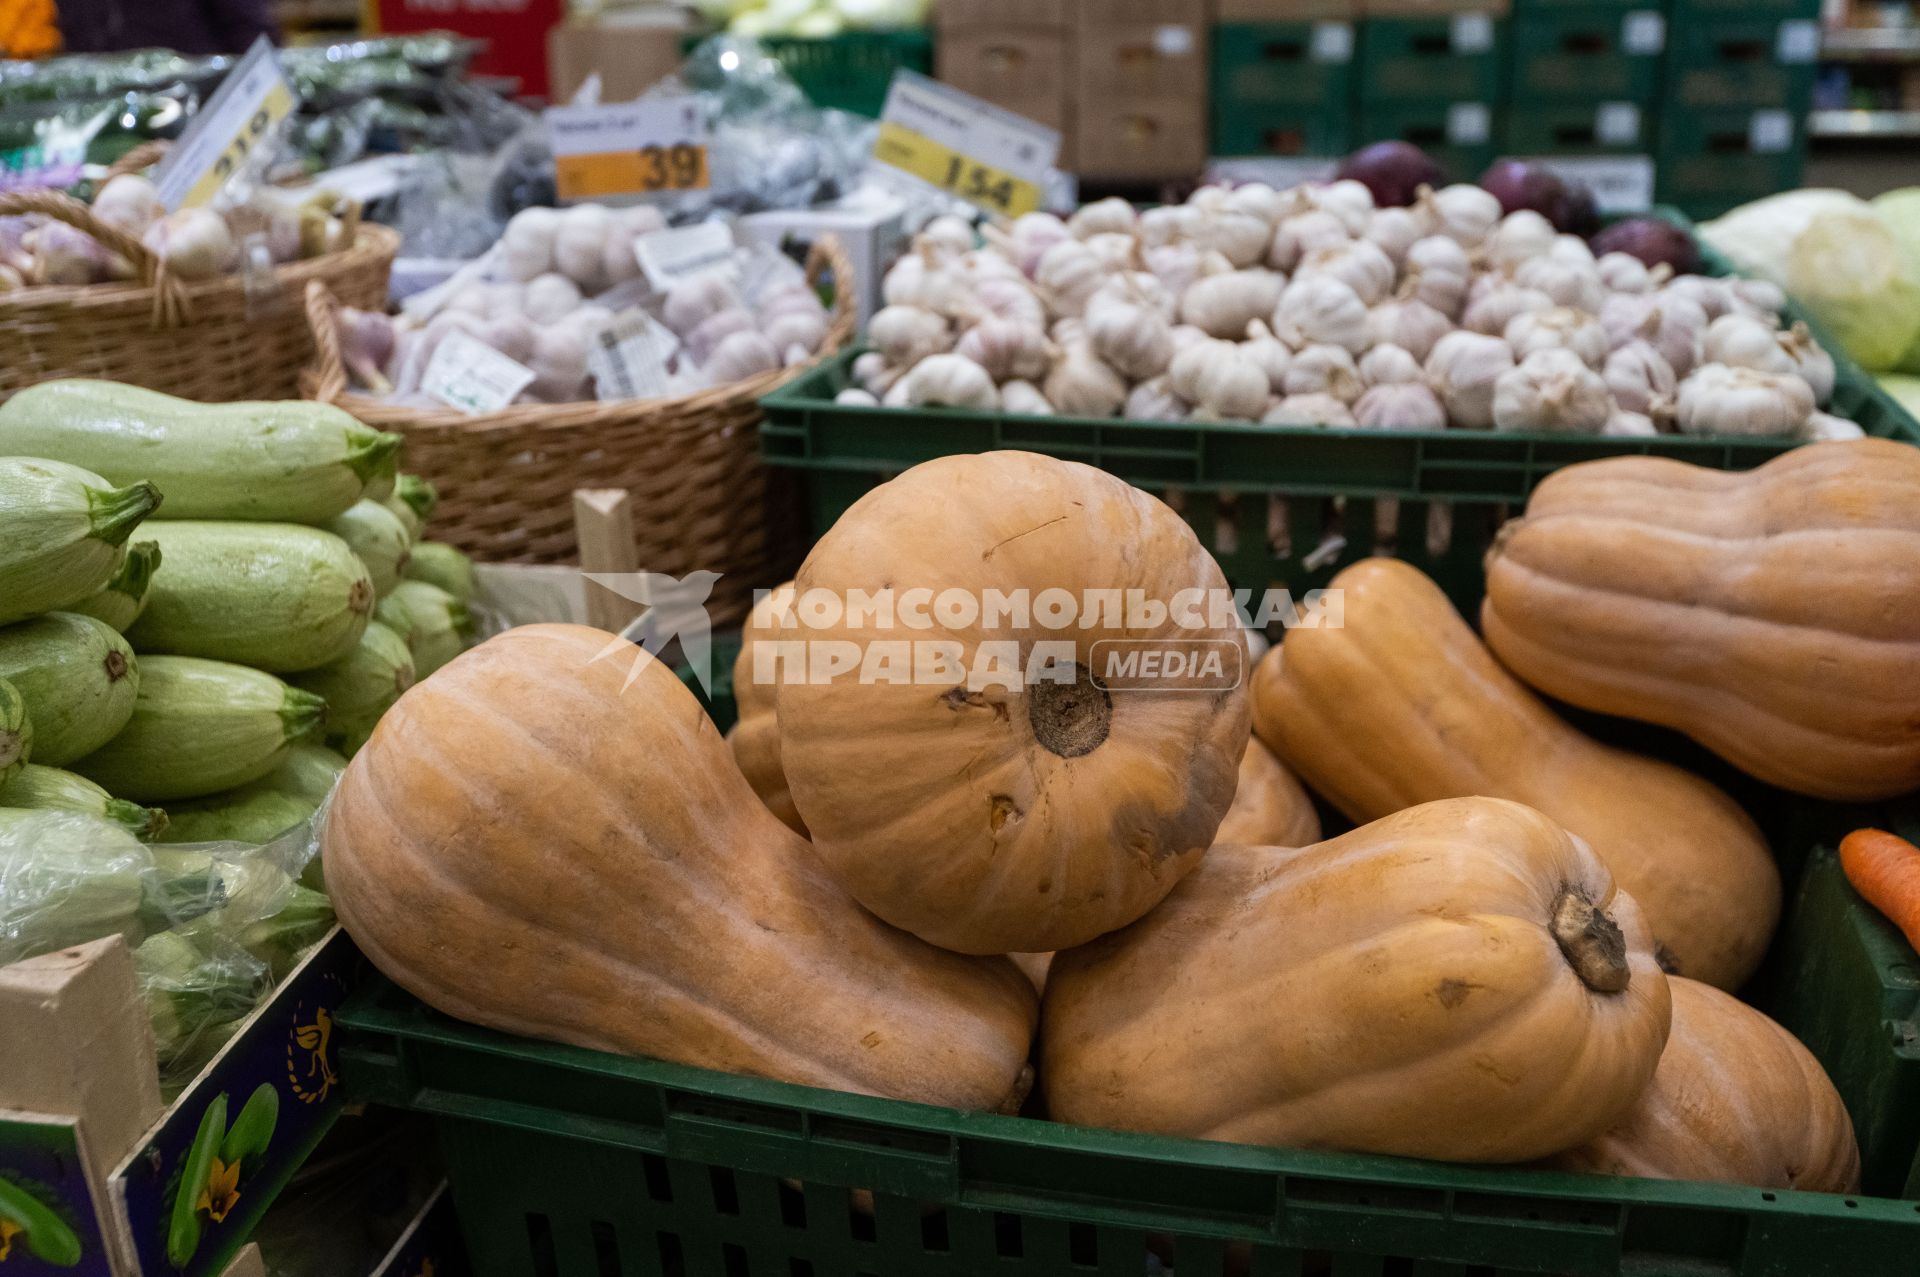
{"points": [[1433, 8], [871, 226], [1094, 14], [1024, 70], [1229, 11], [999, 15], [631, 49], [1140, 139], [1134, 60]]}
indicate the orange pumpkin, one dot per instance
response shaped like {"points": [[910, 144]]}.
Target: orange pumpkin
{"points": [[1270, 807], [527, 843], [755, 737]]}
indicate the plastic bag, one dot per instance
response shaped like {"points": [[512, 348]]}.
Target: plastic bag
{"points": [[67, 878]]}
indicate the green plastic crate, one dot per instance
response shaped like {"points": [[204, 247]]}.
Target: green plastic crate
{"points": [[850, 71], [1433, 60], [1696, 10], [1577, 128], [1463, 137], [1711, 161], [1283, 88], [1716, 63], [1587, 53]]}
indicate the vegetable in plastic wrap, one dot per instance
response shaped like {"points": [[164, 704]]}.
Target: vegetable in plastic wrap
{"points": [[198, 989], [67, 878]]}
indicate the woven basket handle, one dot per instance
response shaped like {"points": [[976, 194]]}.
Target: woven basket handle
{"points": [[829, 254], [143, 156], [169, 299], [328, 380]]}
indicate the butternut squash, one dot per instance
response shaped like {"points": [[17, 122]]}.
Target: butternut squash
{"points": [[1736, 1100], [1402, 705], [526, 843], [1460, 980], [755, 735], [1773, 616], [1024, 814], [1270, 807]]}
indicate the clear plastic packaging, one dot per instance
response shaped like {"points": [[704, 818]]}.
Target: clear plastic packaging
{"points": [[67, 878]]}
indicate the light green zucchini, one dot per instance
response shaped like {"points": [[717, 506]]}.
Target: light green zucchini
{"points": [[16, 733], [404, 512], [287, 462], [439, 564], [38, 788], [124, 597], [419, 494], [309, 771], [276, 596], [70, 878], [79, 678], [61, 529], [433, 623], [361, 686], [379, 538], [200, 727], [249, 814]]}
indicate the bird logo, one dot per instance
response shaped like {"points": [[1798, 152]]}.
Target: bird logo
{"points": [[675, 609]]}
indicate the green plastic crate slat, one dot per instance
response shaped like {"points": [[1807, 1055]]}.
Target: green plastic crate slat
{"points": [[1719, 62], [850, 71], [1586, 53], [1425, 59], [1433, 127], [1700, 10], [1283, 88], [1578, 128], [1708, 163]]}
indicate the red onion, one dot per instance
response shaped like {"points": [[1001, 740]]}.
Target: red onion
{"points": [[1518, 184], [1393, 171], [1653, 240]]}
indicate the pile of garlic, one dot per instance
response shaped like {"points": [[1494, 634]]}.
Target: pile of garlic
{"points": [[1312, 307]]}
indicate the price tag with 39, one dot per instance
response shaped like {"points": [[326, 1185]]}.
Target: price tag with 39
{"points": [[628, 148], [957, 143]]}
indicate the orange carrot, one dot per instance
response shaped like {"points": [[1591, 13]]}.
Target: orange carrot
{"points": [[1885, 868]]}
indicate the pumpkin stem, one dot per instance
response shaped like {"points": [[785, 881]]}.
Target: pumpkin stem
{"points": [[1591, 941], [1070, 719]]}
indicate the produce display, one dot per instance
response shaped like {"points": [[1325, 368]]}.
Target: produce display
{"points": [[559, 278], [1379, 304]]}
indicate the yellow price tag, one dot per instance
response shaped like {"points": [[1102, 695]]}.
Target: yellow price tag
{"points": [[277, 106], [900, 147], [680, 167]]}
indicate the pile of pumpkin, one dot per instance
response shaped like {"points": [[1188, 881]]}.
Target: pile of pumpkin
{"points": [[1523, 955]]}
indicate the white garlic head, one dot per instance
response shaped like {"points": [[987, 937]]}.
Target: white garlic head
{"points": [[1360, 264], [1241, 238], [1746, 342], [1521, 235], [948, 381], [1154, 400], [1408, 323], [1389, 365], [1625, 273], [1133, 338], [1024, 398], [1223, 305], [1494, 309], [1008, 349], [1324, 369], [1551, 391], [1395, 230], [908, 334], [1219, 381], [1463, 370], [1407, 405], [1569, 284], [1464, 213], [1717, 399], [1671, 323], [1638, 377], [1308, 410], [1269, 352], [1082, 385], [1069, 273], [1108, 216], [1558, 327], [1625, 424], [1303, 233], [1321, 309]]}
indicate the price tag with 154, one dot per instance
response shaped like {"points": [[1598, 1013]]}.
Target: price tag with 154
{"points": [[989, 157]]}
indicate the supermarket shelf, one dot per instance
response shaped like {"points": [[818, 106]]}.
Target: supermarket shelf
{"points": [[1891, 125], [1874, 44]]}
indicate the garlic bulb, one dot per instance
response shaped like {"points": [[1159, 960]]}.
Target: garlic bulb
{"points": [[1408, 323], [1325, 370], [1010, 299], [716, 328], [128, 202], [1136, 287], [1155, 401], [1671, 323], [693, 300], [1185, 335], [1262, 201], [871, 371], [1219, 381], [1113, 250], [1308, 410], [739, 356], [1464, 213], [1815, 364], [1359, 264], [1169, 224], [1320, 308], [1269, 352], [1346, 199], [1134, 339], [195, 243], [1081, 385], [1024, 397], [1560, 327], [1223, 305], [1463, 370], [1032, 235], [920, 279], [526, 246], [1068, 275], [550, 296], [1722, 400], [1108, 216], [1520, 236], [1303, 233], [1638, 376], [1625, 273], [1389, 365], [1496, 308], [947, 381], [1578, 286], [947, 234], [1746, 342], [1760, 295], [1551, 390], [1437, 273], [907, 334], [1715, 297], [1571, 250], [1821, 427], [1395, 230], [1400, 406], [1241, 238], [1176, 266], [1623, 424], [854, 397], [1065, 332], [1007, 349]]}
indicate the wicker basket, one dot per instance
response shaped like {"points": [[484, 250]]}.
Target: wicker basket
{"points": [[506, 479], [214, 341]]}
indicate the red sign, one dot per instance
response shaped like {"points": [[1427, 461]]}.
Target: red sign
{"points": [[515, 31]]}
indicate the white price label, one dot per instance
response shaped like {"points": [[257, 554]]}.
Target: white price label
{"points": [[1332, 42], [667, 257], [1173, 41], [1279, 172], [1770, 132], [225, 136], [628, 148], [956, 143], [629, 356], [468, 374], [1620, 183], [1798, 41], [1469, 124], [1617, 124], [1643, 33], [1472, 32]]}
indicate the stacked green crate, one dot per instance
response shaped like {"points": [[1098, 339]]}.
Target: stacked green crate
{"points": [[1283, 88], [1739, 83], [1436, 82]]}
